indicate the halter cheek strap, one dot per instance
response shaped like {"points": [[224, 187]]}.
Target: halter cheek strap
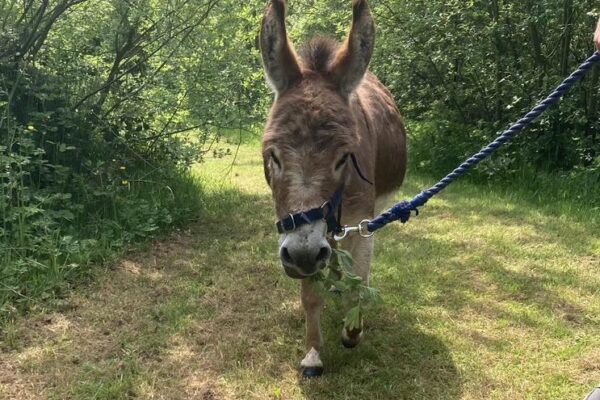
{"points": [[357, 168], [327, 212]]}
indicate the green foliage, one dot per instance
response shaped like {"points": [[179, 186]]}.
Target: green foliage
{"points": [[463, 71], [339, 283], [104, 106], [99, 124]]}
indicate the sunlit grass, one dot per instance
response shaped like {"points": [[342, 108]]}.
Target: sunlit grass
{"points": [[488, 294]]}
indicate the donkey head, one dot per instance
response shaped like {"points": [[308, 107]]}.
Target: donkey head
{"points": [[311, 130]]}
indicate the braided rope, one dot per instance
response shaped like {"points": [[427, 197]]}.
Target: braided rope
{"points": [[402, 211]]}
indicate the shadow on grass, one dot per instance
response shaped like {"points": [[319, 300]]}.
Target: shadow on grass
{"points": [[396, 360], [503, 251], [424, 269]]}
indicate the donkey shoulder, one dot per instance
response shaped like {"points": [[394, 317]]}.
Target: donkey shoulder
{"points": [[384, 127]]}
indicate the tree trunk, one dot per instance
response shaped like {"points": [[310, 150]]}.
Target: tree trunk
{"points": [[565, 48], [498, 52]]}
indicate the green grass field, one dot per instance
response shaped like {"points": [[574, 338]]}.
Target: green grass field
{"points": [[489, 294]]}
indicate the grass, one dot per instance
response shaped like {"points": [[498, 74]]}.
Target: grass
{"points": [[490, 293], [56, 254]]}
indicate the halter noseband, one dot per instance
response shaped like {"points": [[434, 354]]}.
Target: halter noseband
{"points": [[327, 212]]}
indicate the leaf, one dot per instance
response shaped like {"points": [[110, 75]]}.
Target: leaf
{"points": [[352, 319], [353, 281], [340, 285], [63, 147], [344, 258]]}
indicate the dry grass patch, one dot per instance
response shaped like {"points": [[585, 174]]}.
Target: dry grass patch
{"points": [[496, 299]]}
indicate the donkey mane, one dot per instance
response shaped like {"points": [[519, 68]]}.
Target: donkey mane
{"points": [[318, 53]]}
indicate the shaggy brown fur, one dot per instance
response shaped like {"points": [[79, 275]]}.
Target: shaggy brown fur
{"points": [[328, 105], [312, 118]]}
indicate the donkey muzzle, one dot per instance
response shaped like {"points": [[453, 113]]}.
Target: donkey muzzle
{"points": [[304, 251]]}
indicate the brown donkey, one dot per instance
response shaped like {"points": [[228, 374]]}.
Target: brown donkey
{"points": [[328, 110]]}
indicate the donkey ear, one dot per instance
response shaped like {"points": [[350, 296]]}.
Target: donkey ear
{"points": [[352, 60], [279, 59]]}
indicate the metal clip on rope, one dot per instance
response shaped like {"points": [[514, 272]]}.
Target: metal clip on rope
{"points": [[361, 228]]}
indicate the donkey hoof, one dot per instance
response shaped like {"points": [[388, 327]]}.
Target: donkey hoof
{"points": [[351, 339], [312, 372], [312, 366]]}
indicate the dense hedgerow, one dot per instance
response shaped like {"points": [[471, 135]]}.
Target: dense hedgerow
{"points": [[104, 106], [71, 195]]}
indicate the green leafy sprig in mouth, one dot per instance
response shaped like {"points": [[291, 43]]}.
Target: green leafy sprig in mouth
{"points": [[338, 282]]}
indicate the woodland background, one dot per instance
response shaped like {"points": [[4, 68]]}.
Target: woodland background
{"points": [[106, 104]]}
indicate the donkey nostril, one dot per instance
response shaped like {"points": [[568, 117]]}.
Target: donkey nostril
{"points": [[324, 254], [286, 257]]}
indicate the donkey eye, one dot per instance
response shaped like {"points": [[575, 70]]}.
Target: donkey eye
{"points": [[342, 161], [276, 160]]}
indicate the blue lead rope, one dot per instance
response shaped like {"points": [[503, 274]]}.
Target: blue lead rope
{"points": [[402, 211]]}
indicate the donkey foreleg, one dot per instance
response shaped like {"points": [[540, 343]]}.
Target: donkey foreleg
{"points": [[312, 302]]}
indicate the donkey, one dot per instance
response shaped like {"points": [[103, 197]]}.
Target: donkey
{"points": [[328, 109]]}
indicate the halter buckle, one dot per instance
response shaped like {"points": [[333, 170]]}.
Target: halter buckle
{"points": [[328, 205], [293, 225]]}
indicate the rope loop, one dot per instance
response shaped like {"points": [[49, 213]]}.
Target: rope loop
{"points": [[400, 212]]}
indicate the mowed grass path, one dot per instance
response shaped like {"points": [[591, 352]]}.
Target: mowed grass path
{"points": [[487, 295]]}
